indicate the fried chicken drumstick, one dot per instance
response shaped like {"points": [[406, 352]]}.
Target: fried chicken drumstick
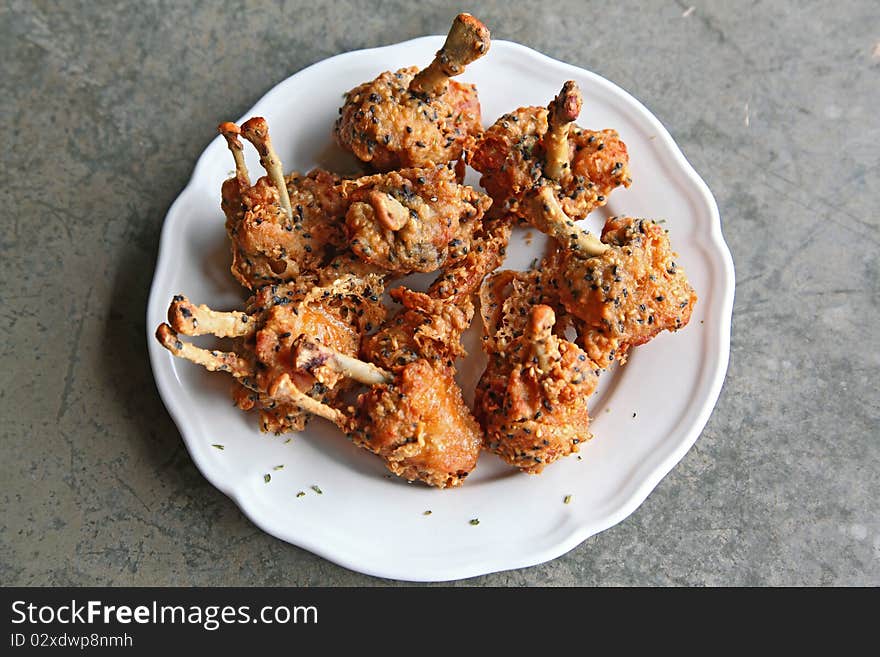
{"points": [[532, 398], [622, 290], [413, 220], [337, 314], [413, 118], [535, 148], [282, 226], [414, 418]]}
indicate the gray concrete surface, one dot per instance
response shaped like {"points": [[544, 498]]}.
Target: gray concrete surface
{"points": [[106, 107]]}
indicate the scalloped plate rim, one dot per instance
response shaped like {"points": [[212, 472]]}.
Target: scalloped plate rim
{"points": [[634, 495]]}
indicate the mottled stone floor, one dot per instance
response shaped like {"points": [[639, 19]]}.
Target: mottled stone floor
{"points": [[107, 106]]}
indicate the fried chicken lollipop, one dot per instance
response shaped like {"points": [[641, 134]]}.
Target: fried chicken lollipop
{"points": [[413, 220], [622, 290], [532, 398], [535, 148], [413, 118], [282, 226], [415, 418], [336, 314], [628, 293]]}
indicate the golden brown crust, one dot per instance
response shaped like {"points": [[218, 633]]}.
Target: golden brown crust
{"points": [[268, 247], [511, 155], [419, 423], [411, 118], [415, 419], [281, 227], [507, 297], [317, 249], [336, 315], [420, 426], [430, 325], [532, 397], [413, 220], [390, 127], [422, 329], [626, 296]]}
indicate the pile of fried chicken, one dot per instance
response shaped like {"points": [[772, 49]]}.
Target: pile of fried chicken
{"points": [[318, 251]]}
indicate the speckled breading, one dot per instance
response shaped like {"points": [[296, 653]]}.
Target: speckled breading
{"points": [[423, 328], [413, 220], [430, 325], [420, 425], [510, 155], [268, 246], [532, 398], [386, 125], [464, 278], [285, 312], [316, 250], [346, 263], [335, 315], [630, 293], [507, 297]]}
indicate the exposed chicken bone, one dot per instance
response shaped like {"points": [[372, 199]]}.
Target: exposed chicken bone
{"points": [[189, 319], [211, 360], [284, 390], [550, 218], [310, 355], [467, 41], [256, 131], [230, 133], [563, 110]]}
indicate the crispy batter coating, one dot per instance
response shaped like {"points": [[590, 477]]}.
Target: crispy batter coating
{"points": [[390, 127], [507, 297], [512, 155], [335, 314], [346, 263], [414, 416], [270, 247], [430, 325], [282, 226], [420, 425], [532, 397], [424, 328], [317, 249], [409, 118], [627, 295], [414, 419], [413, 220]]}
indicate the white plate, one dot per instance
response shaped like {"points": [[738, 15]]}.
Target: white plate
{"points": [[646, 414]]}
